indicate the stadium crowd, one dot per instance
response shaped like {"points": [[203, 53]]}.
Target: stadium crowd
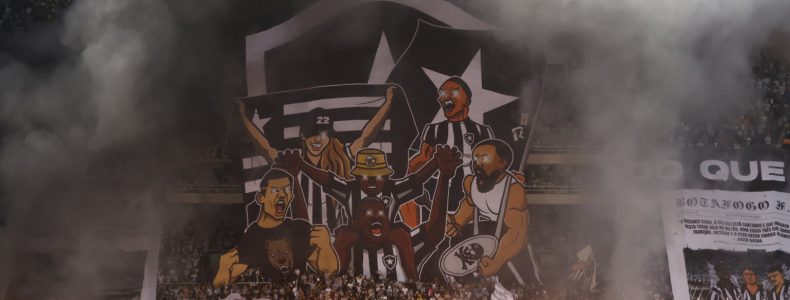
{"points": [[313, 286], [184, 254], [761, 121], [558, 175]]}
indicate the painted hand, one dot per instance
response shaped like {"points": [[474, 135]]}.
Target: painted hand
{"points": [[452, 228], [227, 260], [488, 267], [319, 236], [289, 160], [391, 92], [448, 158]]}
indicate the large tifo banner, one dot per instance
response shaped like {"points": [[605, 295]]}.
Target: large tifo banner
{"points": [[363, 121], [728, 231]]}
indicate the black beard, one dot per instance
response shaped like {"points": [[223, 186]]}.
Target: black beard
{"points": [[486, 182]]}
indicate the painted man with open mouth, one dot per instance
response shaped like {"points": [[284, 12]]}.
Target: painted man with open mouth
{"points": [[275, 243]]}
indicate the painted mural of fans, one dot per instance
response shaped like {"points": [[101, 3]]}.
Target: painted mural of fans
{"points": [[323, 150], [277, 244], [371, 178], [779, 289], [751, 289], [489, 229], [377, 243], [457, 130]]}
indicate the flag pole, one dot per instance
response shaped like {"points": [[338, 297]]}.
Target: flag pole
{"points": [[533, 126]]}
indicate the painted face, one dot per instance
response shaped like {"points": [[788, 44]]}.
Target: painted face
{"points": [[453, 99], [276, 198], [280, 254], [487, 166], [776, 278], [749, 276], [317, 143], [372, 220], [372, 185]]}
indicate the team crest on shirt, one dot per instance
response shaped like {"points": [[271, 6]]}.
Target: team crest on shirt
{"points": [[469, 138], [390, 261], [387, 200]]}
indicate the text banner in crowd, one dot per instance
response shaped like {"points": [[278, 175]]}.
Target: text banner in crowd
{"points": [[728, 230]]}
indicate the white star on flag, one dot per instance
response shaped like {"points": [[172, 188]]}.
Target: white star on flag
{"points": [[383, 63], [483, 100]]}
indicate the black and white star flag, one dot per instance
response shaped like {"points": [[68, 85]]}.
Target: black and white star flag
{"points": [[339, 42]]}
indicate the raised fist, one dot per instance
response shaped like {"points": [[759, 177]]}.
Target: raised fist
{"points": [[391, 92], [452, 228], [319, 236], [447, 159], [227, 260], [289, 160]]}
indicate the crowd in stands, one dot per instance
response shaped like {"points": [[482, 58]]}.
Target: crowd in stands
{"points": [[556, 175], [313, 286], [760, 120], [184, 254]]}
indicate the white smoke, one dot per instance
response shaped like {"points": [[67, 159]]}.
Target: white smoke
{"points": [[638, 66], [91, 104], [120, 65]]}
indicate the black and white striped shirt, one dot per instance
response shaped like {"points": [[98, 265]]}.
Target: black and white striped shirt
{"points": [[782, 294], [349, 192], [320, 210], [463, 135], [387, 260], [758, 295], [720, 293]]}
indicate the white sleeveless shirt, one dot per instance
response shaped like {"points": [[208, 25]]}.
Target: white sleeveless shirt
{"points": [[489, 204]]}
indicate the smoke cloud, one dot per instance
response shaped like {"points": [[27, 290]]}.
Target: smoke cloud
{"points": [[110, 81], [638, 67], [96, 109]]}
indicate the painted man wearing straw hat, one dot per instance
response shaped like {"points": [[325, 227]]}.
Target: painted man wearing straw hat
{"points": [[372, 197], [371, 179]]}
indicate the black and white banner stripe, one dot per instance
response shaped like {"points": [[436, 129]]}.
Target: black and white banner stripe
{"points": [[279, 115]]}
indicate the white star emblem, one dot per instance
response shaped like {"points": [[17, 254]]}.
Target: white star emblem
{"points": [[383, 63], [483, 100]]}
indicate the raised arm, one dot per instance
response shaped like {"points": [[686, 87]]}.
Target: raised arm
{"points": [[298, 205], [331, 184], [515, 238], [419, 159], [269, 152], [448, 159], [412, 186], [372, 128]]}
